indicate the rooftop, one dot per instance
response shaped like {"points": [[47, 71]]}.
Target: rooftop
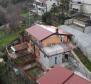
{"points": [[40, 32], [60, 75], [56, 49]]}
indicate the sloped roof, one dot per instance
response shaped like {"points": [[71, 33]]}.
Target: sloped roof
{"points": [[38, 32], [77, 80], [56, 75], [60, 75]]}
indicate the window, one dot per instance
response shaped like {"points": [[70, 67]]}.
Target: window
{"points": [[66, 56], [39, 8]]}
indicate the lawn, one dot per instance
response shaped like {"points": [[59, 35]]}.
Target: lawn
{"points": [[83, 58], [8, 39], [25, 14], [1, 33]]}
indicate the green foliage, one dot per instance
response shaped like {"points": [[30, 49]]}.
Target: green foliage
{"points": [[46, 18], [83, 58], [57, 15]]}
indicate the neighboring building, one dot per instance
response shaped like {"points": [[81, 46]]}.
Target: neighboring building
{"points": [[42, 6], [60, 75], [80, 13], [81, 5], [50, 45]]}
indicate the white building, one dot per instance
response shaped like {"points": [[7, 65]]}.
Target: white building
{"points": [[52, 46], [42, 6], [82, 5]]}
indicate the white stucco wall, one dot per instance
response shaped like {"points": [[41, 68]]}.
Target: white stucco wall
{"points": [[82, 40], [86, 5], [52, 60], [48, 62], [44, 60], [49, 4]]}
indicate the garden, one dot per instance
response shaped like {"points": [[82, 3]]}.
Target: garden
{"points": [[83, 58], [35, 71]]}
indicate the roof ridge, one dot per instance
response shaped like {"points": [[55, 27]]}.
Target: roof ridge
{"points": [[68, 78]]}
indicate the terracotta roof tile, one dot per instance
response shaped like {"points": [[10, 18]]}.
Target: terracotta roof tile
{"points": [[38, 32], [56, 75], [60, 75]]}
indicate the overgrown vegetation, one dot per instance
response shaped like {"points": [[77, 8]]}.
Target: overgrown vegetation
{"points": [[58, 14], [83, 58]]}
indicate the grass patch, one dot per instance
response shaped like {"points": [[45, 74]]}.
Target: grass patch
{"points": [[25, 14], [1, 33], [34, 72], [8, 39], [83, 58]]}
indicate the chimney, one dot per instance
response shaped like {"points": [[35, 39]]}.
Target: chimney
{"points": [[57, 30]]}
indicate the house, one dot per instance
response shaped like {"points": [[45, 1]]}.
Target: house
{"points": [[60, 75], [50, 45], [42, 6]]}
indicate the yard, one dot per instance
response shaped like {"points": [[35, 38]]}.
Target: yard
{"points": [[83, 59], [35, 71], [7, 39]]}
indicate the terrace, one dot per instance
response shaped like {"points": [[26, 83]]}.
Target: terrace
{"points": [[58, 48], [23, 58], [20, 49]]}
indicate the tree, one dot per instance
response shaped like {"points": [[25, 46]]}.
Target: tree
{"points": [[46, 18], [2, 16], [64, 6]]}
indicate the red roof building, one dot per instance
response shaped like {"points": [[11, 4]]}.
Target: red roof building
{"points": [[60, 75], [50, 44], [38, 32]]}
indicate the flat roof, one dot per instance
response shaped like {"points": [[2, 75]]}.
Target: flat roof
{"points": [[53, 49]]}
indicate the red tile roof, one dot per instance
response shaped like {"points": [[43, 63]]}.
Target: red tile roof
{"points": [[60, 75], [77, 80], [38, 32], [41, 31], [56, 75]]}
